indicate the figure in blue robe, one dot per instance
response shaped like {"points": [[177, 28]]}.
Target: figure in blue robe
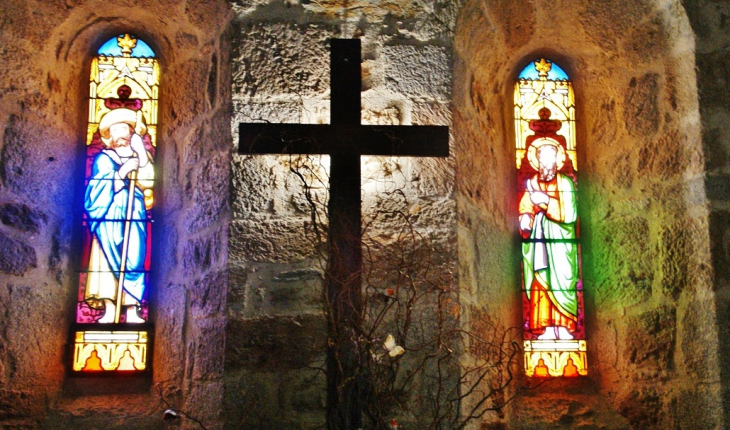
{"points": [[106, 204]]}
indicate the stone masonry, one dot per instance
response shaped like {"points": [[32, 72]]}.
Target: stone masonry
{"points": [[237, 290]]}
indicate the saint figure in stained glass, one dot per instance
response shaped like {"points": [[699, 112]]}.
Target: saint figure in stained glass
{"points": [[112, 326], [114, 203], [552, 291], [548, 214]]}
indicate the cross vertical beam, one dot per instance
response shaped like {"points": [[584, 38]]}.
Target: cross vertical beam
{"points": [[344, 279]]}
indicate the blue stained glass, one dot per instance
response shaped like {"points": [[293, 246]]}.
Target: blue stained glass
{"points": [[112, 48], [105, 206], [556, 73]]}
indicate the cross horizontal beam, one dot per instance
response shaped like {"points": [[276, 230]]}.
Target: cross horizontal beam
{"points": [[343, 139]]}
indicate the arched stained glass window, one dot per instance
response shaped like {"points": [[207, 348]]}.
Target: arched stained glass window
{"points": [[112, 333], [552, 291]]}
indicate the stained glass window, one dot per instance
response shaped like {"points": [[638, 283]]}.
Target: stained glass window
{"points": [[111, 333], [552, 290]]}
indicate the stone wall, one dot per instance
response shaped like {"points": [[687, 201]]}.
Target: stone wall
{"points": [[239, 323], [46, 51], [651, 331], [277, 331], [709, 20]]}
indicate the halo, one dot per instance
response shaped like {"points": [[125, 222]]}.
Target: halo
{"points": [[532, 152]]}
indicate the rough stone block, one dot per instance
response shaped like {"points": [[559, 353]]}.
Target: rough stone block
{"points": [[200, 11], [266, 289], [495, 259], [390, 115], [421, 73], [286, 112], [696, 408], [16, 257], [281, 58], [601, 119], [250, 399], [286, 399], [107, 411], [641, 112], [276, 240], [622, 261], [297, 290], [713, 70], [623, 169], [276, 112], [424, 213], [169, 355], [35, 163], [642, 408], [516, 21], [720, 244], [663, 158], [189, 93], [431, 114], [675, 261], [646, 42], [433, 176], [576, 408], [209, 346], [33, 312], [203, 402], [200, 254], [15, 404], [252, 185], [185, 40], [194, 146], [605, 20], [273, 344], [267, 186], [699, 341], [22, 217], [208, 295], [650, 340], [372, 11], [241, 8], [412, 260], [210, 192]]}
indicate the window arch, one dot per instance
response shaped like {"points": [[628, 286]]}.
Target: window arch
{"points": [[112, 330], [546, 161]]}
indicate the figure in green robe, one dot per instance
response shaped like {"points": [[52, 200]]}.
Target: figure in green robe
{"points": [[548, 215]]}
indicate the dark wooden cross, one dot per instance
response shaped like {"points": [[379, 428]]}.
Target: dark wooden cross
{"points": [[344, 140]]}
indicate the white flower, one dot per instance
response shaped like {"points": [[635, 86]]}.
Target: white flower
{"points": [[393, 349]]}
